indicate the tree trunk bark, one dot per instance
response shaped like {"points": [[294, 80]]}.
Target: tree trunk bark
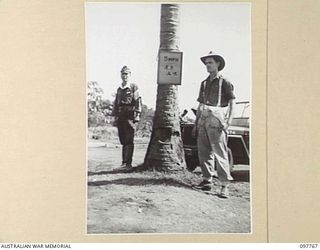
{"points": [[165, 150]]}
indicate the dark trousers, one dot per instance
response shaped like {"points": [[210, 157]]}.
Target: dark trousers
{"points": [[126, 130]]}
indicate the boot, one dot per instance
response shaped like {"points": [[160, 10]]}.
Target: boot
{"points": [[129, 154], [124, 153], [224, 192]]}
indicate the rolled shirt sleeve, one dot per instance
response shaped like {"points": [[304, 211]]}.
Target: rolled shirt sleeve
{"points": [[136, 98], [135, 91], [228, 91]]}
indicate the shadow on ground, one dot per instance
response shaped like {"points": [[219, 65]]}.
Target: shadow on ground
{"points": [[114, 171], [140, 182]]}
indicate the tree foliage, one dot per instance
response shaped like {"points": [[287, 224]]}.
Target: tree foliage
{"points": [[144, 126], [99, 109]]}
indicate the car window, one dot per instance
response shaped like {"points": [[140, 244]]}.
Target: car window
{"points": [[242, 109], [241, 114]]}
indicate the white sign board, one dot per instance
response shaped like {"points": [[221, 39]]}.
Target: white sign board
{"points": [[169, 67]]}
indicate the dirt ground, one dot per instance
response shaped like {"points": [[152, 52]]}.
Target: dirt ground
{"points": [[121, 202]]}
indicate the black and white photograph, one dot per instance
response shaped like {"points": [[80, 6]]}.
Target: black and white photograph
{"points": [[168, 118], [132, 124]]}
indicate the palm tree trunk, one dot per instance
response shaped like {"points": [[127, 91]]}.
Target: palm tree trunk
{"points": [[165, 150]]}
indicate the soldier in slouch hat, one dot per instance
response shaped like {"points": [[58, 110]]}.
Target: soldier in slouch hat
{"points": [[214, 116]]}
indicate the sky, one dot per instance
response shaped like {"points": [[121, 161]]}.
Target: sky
{"points": [[119, 34]]}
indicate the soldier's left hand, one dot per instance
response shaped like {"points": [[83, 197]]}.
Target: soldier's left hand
{"points": [[136, 117]]}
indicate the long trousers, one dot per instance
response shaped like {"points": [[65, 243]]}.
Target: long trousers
{"points": [[126, 130], [212, 145]]}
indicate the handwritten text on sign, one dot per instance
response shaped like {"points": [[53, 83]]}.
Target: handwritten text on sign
{"points": [[169, 67]]}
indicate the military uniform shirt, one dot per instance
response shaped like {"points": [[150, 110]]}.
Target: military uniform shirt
{"points": [[127, 96], [209, 92]]}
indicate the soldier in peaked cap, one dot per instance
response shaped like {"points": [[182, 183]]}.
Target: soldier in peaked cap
{"points": [[126, 111], [214, 115]]}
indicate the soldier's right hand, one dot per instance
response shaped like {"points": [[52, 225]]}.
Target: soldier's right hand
{"points": [[136, 117]]}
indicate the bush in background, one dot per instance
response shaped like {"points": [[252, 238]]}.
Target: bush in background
{"points": [[100, 119]]}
